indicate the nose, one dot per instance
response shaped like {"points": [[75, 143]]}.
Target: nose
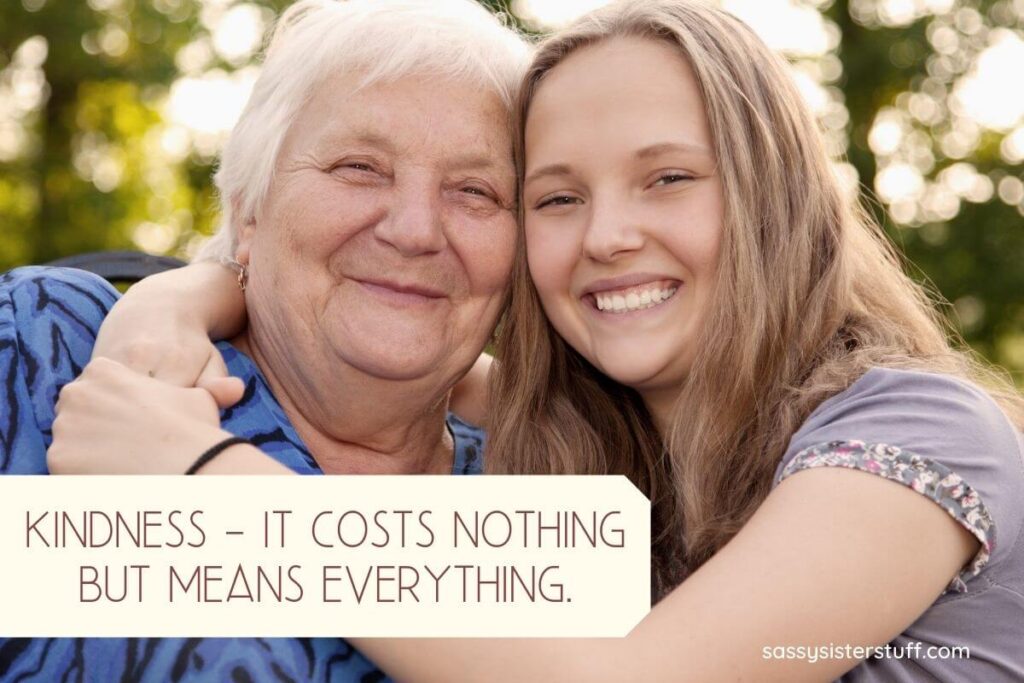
{"points": [[612, 233], [414, 225]]}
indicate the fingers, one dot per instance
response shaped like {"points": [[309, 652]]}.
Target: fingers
{"points": [[178, 356], [99, 372], [213, 369], [151, 340], [182, 366], [149, 358], [226, 391], [214, 378], [57, 458]]}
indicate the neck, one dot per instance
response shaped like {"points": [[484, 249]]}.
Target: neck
{"points": [[353, 423], [660, 405]]}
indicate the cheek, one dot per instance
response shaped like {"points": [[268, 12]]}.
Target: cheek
{"points": [[551, 256], [316, 215], [697, 247], [487, 253], [699, 253], [715, 233]]}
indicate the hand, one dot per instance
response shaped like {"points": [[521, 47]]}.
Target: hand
{"points": [[161, 329], [112, 420]]}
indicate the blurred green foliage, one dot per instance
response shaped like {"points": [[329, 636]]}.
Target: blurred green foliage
{"points": [[81, 167], [977, 256]]}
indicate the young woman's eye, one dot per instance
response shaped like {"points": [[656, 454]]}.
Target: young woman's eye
{"points": [[558, 200], [672, 178]]}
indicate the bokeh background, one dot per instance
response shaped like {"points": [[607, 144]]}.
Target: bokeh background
{"points": [[112, 113]]}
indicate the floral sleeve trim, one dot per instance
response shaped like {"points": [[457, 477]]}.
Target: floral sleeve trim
{"points": [[929, 478]]}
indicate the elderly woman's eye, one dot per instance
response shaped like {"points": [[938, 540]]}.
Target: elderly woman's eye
{"points": [[358, 167], [478, 192]]}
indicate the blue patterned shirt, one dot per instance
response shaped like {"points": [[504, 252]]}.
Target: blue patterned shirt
{"points": [[49, 318]]}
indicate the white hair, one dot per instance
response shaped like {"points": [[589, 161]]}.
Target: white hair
{"points": [[384, 40]]}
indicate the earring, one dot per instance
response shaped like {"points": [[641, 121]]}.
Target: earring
{"points": [[243, 272], [243, 276]]}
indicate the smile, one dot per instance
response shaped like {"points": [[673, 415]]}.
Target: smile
{"points": [[635, 298], [401, 294]]}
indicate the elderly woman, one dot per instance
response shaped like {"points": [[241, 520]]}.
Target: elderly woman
{"points": [[368, 200]]}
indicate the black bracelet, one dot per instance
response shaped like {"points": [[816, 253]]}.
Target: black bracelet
{"points": [[214, 451]]}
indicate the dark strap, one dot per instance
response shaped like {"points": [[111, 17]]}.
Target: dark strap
{"points": [[214, 451]]}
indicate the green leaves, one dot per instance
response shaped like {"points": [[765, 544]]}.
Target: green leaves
{"points": [[92, 158]]}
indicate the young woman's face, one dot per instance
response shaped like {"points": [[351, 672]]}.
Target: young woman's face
{"points": [[624, 209]]}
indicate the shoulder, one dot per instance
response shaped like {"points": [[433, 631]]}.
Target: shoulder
{"points": [[931, 415], [49, 318], [914, 409], [63, 295], [941, 436], [53, 315]]}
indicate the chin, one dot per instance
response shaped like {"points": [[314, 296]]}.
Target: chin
{"points": [[395, 369], [388, 351], [633, 375], [390, 356]]}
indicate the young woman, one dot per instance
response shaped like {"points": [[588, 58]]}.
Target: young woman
{"points": [[709, 314]]}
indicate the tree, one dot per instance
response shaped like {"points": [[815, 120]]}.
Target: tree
{"points": [[973, 256], [93, 158]]}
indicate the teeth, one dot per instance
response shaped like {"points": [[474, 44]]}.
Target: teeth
{"points": [[633, 301]]}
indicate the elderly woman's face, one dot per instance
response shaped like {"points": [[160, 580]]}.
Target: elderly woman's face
{"points": [[387, 236]]}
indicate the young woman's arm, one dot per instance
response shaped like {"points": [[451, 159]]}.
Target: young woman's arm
{"points": [[113, 420], [833, 557], [163, 326]]}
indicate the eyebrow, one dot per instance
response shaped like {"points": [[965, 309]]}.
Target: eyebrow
{"points": [[654, 150], [465, 162], [468, 162], [360, 136], [666, 147], [550, 170]]}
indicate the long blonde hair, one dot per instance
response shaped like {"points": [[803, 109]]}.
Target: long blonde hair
{"points": [[809, 296]]}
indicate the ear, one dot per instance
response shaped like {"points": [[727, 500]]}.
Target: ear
{"points": [[245, 228]]}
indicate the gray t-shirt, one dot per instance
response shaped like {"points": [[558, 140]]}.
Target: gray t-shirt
{"points": [[947, 440]]}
